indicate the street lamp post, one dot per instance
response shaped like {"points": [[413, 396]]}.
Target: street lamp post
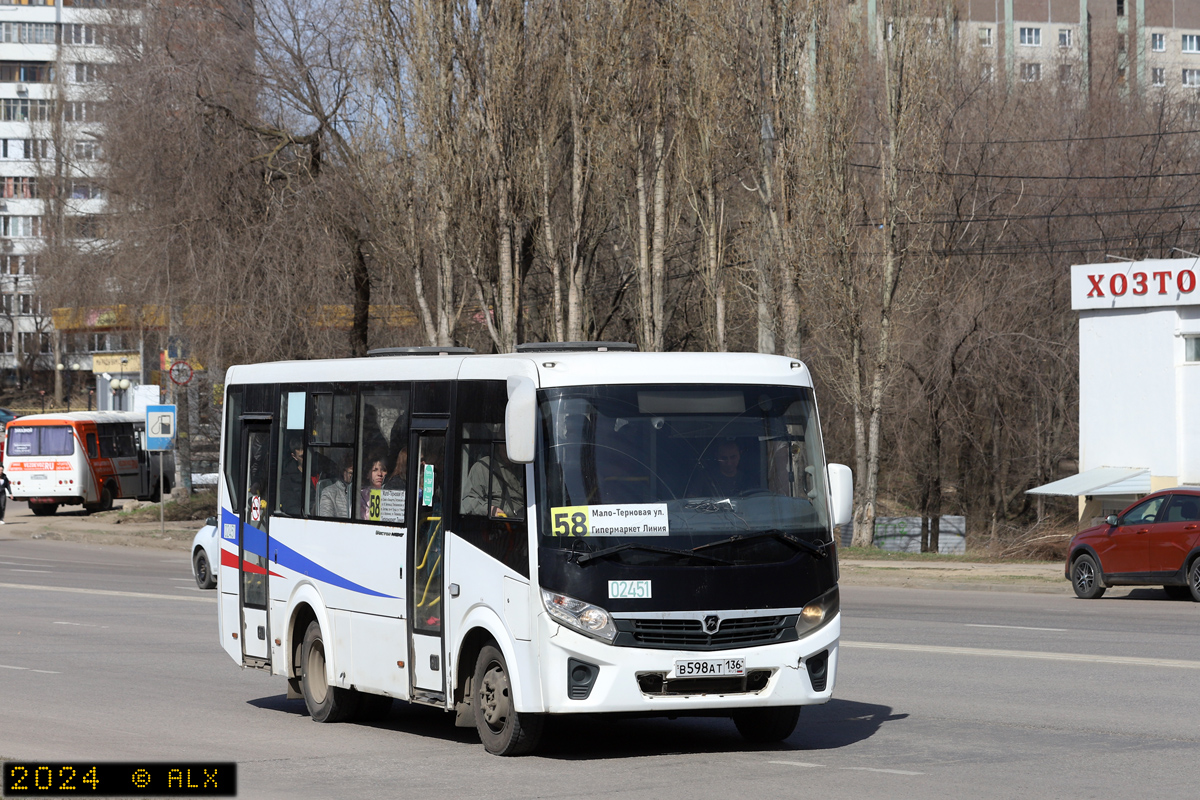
{"points": [[119, 388], [70, 373]]}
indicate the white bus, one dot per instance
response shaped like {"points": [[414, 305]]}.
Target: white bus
{"points": [[567, 529], [87, 458]]}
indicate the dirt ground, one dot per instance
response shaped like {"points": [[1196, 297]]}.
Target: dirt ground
{"points": [[1015, 577], [106, 528], [73, 524]]}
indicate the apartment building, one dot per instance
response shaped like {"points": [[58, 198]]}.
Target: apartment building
{"points": [[1148, 45], [52, 61], [1142, 45]]}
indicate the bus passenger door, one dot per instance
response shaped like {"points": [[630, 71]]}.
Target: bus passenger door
{"points": [[426, 577], [252, 544]]}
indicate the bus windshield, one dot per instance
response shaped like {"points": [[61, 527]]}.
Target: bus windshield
{"points": [[41, 440], [732, 472]]}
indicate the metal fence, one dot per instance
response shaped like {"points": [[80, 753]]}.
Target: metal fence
{"points": [[903, 534]]}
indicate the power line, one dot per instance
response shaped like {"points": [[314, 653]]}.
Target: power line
{"points": [[1066, 139], [1127, 212], [876, 168], [1063, 245]]}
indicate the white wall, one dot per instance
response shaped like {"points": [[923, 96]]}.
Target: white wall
{"points": [[1187, 398], [1128, 397]]}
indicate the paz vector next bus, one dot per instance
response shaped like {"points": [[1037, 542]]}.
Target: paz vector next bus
{"points": [[571, 528]]}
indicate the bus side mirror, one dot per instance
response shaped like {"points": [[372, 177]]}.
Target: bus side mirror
{"points": [[520, 420], [841, 492]]}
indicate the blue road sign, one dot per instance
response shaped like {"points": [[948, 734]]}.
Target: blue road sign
{"points": [[160, 427]]}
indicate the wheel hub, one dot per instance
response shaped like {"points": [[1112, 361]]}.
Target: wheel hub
{"points": [[316, 674], [494, 697], [1084, 577]]}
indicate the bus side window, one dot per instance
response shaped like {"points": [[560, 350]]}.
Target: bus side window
{"points": [[233, 444], [125, 445], [108, 440], [491, 489], [383, 441], [93, 449], [292, 478]]}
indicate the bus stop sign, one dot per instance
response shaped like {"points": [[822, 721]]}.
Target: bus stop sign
{"points": [[160, 427]]}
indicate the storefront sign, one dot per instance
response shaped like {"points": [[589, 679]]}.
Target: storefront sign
{"points": [[1135, 284]]}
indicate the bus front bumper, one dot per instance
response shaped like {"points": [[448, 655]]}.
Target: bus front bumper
{"points": [[638, 680]]}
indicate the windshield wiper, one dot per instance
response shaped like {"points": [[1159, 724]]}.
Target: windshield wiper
{"points": [[649, 548], [817, 550]]}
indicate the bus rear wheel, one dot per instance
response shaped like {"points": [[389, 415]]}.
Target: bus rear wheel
{"points": [[43, 509], [105, 503], [764, 725], [325, 703], [503, 730]]}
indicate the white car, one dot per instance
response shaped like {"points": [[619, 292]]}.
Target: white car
{"points": [[206, 555]]}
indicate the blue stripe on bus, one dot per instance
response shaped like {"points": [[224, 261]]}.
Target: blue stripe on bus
{"points": [[256, 543], [287, 557]]}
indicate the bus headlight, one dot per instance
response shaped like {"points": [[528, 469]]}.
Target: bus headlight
{"points": [[578, 615], [818, 612]]}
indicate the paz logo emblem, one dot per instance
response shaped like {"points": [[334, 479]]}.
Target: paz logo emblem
{"points": [[712, 623]]}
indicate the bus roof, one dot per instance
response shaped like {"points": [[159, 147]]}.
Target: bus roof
{"points": [[546, 369], [80, 416]]}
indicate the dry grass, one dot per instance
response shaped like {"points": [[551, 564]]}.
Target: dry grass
{"points": [[199, 506]]}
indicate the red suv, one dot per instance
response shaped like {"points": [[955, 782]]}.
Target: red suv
{"points": [[1155, 542]]}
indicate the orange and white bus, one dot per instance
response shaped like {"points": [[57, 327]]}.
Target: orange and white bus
{"points": [[87, 458]]}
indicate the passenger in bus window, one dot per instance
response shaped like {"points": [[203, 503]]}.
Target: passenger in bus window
{"points": [[335, 498], [506, 496], [397, 479], [374, 474], [291, 478]]}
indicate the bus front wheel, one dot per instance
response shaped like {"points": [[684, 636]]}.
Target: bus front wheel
{"points": [[503, 730], [43, 509], [765, 725], [325, 703]]}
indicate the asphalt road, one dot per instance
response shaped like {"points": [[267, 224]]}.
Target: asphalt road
{"points": [[110, 653]]}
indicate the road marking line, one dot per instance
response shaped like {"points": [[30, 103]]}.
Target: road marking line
{"points": [[1130, 661], [1015, 627], [30, 669], [38, 571], [106, 592], [886, 771], [81, 624], [795, 764]]}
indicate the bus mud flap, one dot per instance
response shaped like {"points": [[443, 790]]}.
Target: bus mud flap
{"points": [[464, 716]]}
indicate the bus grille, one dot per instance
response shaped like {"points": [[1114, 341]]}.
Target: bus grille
{"points": [[689, 634], [658, 684]]}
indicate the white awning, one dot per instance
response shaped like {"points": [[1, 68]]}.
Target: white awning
{"points": [[1100, 481]]}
